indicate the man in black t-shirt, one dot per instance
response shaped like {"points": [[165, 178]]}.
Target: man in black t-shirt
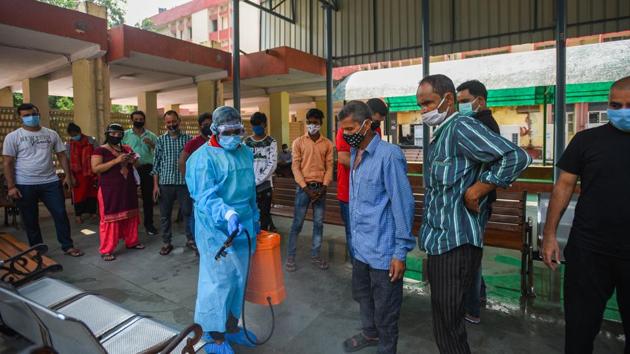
{"points": [[598, 251]]}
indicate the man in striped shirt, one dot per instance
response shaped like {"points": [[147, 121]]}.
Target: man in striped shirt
{"points": [[466, 162]]}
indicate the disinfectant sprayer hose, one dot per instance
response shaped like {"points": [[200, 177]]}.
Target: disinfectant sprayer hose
{"points": [[273, 316]]}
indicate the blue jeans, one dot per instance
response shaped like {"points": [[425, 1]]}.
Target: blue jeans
{"points": [[302, 202], [51, 194], [345, 216]]}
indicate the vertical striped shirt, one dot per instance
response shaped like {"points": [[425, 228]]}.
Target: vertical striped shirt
{"points": [[165, 162], [462, 152]]}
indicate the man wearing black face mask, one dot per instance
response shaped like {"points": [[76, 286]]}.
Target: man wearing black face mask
{"points": [[379, 113], [381, 213], [142, 141]]}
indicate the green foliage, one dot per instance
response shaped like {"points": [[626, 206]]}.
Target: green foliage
{"points": [[118, 108], [146, 25], [18, 99], [115, 8]]}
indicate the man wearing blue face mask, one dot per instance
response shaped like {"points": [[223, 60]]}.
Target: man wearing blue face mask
{"points": [[221, 182], [598, 251], [471, 98], [31, 176], [265, 150]]}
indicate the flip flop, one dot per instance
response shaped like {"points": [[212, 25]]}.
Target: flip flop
{"points": [[108, 257], [192, 245], [138, 246], [166, 249], [319, 263], [73, 252], [358, 342]]}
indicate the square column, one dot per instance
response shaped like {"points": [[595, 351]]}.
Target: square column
{"points": [[6, 97], [321, 105], [36, 92], [147, 102], [209, 95], [90, 86], [279, 116]]}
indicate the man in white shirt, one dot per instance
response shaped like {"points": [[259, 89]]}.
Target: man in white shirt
{"points": [[31, 176], [265, 150]]}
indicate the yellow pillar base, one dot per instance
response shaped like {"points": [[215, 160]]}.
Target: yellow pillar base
{"points": [[36, 92], [147, 102], [279, 117]]}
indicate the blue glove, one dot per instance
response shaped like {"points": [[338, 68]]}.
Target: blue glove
{"points": [[234, 224], [257, 227]]}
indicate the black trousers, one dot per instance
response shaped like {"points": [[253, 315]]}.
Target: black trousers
{"points": [[263, 199], [146, 188], [88, 206], [379, 304], [450, 275], [589, 281], [168, 194]]}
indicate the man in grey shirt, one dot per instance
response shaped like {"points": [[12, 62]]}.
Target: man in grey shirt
{"points": [[31, 177]]}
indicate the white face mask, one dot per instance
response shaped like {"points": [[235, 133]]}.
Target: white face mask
{"points": [[313, 128], [434, 117]]}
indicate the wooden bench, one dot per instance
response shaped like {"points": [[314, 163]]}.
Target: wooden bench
{"points": [[20, 263], [508, 227]]}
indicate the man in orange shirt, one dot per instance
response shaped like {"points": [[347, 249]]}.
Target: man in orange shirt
{"points": [[313, 171]]}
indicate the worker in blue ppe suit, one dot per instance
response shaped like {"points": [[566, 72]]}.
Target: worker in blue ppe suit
{"points": [[220, 177]]}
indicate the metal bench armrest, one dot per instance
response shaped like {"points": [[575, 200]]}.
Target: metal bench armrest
{"points": [[17, 277], [169, 345]]}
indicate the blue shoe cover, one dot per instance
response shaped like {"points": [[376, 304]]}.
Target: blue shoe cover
{"points": [[240, 338], [213, 348]]}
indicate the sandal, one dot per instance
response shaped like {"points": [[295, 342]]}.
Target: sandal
{"points": [[138, 246], [166, 249], [290, 266], [73, 252], [108, 257], [358, 342], [319, 263], [192, 245]]}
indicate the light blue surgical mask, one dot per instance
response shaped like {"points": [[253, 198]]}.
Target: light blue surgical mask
{"points": [[76, 137], [31, 120], [230, 142], [258, 130], [620, 118], [466, 109]]}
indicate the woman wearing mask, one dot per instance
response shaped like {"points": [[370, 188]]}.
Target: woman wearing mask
{"points": [[80, 149], [117, 193]]}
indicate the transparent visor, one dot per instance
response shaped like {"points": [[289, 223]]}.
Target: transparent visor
{"points": [[231, 130]]}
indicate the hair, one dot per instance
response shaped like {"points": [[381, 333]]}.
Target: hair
{"points": [[315, 113], [258, 118], [26, 107], [137, 112], [114, 127], [285, 145], [203, 116], [475, 87], [356, 110], [441, 84], [621, 84], [171, 113], [378, 106], [72, 127]]}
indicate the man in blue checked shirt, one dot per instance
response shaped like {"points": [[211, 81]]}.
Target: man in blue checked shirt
{"points": [[466, 162], [381, 215]]}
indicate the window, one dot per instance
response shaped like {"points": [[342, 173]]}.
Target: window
{"points": [[214, 25], [593, 117], [570, 124]]}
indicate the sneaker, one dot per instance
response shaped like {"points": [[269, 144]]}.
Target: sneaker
{"points": [[151, 230], [472, 319], [290, 266]]}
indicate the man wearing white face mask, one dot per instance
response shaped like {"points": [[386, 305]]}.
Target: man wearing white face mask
{"points": [[466, 162], [313, 171]]}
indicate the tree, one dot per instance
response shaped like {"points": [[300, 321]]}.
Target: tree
{"points": [[146, 25], [118, 108], [115, 8]]}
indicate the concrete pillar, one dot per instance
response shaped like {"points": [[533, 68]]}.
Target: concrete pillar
{"points": [[90, 86], [172, 107], [321, 105], [36, 92], [209, 95], [6, 97], [147, 102], [279, 116]]}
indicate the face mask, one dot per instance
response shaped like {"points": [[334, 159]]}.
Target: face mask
{"points": [[434, 117], [258, 130], [620, 118], [173, 128], [76, 137], [138, 124], [114, 140], [313, 128], [466, 109], [230, 142], [206, 131], [354, 140], [375, 124], [31, 121]]}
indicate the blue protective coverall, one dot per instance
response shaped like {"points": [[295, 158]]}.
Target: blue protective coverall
{"points": [[219, 181]]}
